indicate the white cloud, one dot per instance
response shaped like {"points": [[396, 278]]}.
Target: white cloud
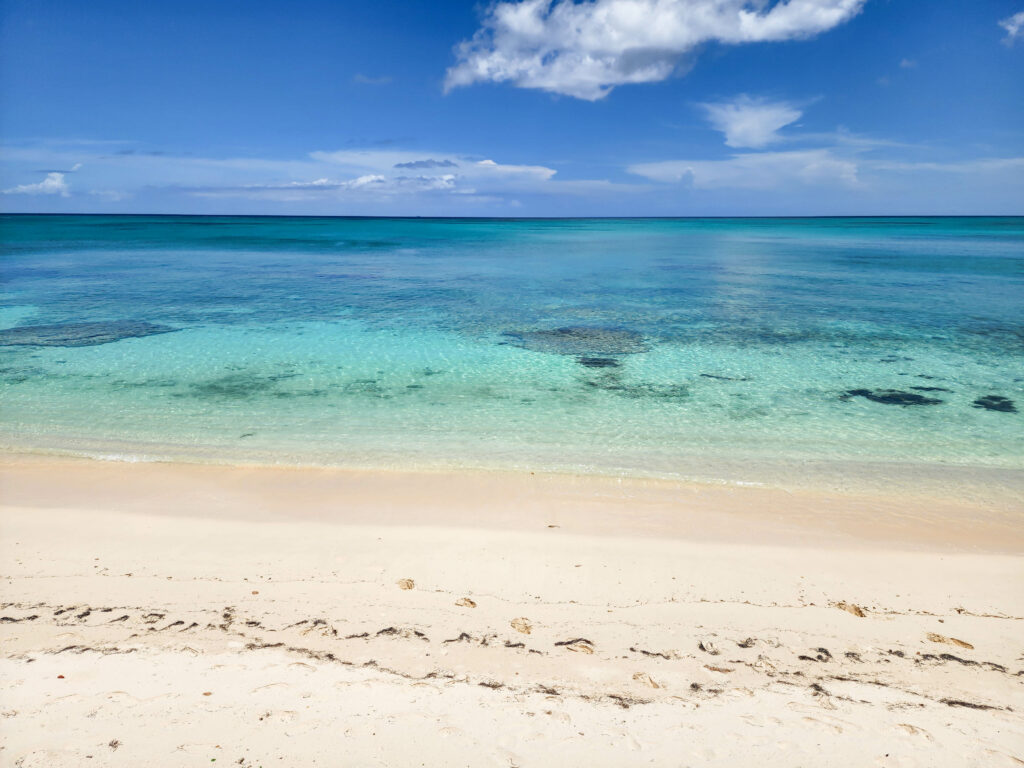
{"points": [[366, 185], [908, 64], [755, 170], [385, 161], [1014, 26], [748, 122], [53, 184], [428, 163], [584, 49], [537, 171]]}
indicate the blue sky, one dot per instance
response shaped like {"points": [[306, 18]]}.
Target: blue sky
{"points": [[519, 108]]}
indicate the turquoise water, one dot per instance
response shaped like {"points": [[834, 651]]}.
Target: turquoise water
{"points": [[712, 349]]}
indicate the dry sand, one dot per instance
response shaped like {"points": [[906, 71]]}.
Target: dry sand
{"points": [[174, 615]]}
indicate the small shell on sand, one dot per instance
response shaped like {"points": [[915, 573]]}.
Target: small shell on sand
{"points": [[935, 638], [522, 625], [643, 677], [406, 583], [851, 608], [465, 602]]}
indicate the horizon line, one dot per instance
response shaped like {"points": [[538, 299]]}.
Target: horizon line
{"points": [[522, 218]]}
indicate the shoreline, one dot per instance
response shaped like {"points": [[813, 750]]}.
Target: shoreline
{"points": [[497, 618], [518, 500], [994, 487]]}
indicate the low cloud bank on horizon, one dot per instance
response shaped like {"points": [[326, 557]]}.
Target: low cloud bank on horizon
{"points": [[811, 167]]}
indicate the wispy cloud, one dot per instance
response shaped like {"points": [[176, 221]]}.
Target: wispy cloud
{"points": [[362, 79], [908, 64], [748, 122], [428, 163], [383, 161], [1014, 26], [371, 184], [972, 167], [584, 49], [53, 184], [755, 170], [837, 159], [109, 195]]}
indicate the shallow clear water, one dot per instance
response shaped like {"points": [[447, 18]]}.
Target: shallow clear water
{"points": [[703, 348]]}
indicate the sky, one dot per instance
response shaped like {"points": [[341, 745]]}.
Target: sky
{"points": [[513, 108]]}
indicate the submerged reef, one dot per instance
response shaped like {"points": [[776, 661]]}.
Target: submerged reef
{"points": [[612, 383], [890, 397], [581, 341], [599, 362], [79, 334], [995, 403]]}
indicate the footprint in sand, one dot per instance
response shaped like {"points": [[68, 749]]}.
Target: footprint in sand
{"points": [[836, 728], [913, 730], [465, 602], [522, 624], [406, 583]]}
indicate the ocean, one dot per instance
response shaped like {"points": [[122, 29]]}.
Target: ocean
{"points": [[758, 351]]}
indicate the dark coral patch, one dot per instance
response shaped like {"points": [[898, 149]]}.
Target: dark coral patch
{"points": [[581, 341], [891, 397], [995, 403], [932, 389], [79, 334], [599, 362]]}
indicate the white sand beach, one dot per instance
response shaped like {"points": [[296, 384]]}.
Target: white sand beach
{"points": [[169, 615]]}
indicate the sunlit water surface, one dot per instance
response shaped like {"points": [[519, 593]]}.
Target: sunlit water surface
{"points": [[722, 350]]}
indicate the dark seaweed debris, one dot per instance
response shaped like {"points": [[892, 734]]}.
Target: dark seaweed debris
{"points": [[995, 403], [580, 341], [891, 397], [79, 334]]}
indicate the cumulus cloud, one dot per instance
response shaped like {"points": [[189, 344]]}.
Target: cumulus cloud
{"points": [[748, 122], [53, 184], [584, 49], [755, 170], [1014, 26]]}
